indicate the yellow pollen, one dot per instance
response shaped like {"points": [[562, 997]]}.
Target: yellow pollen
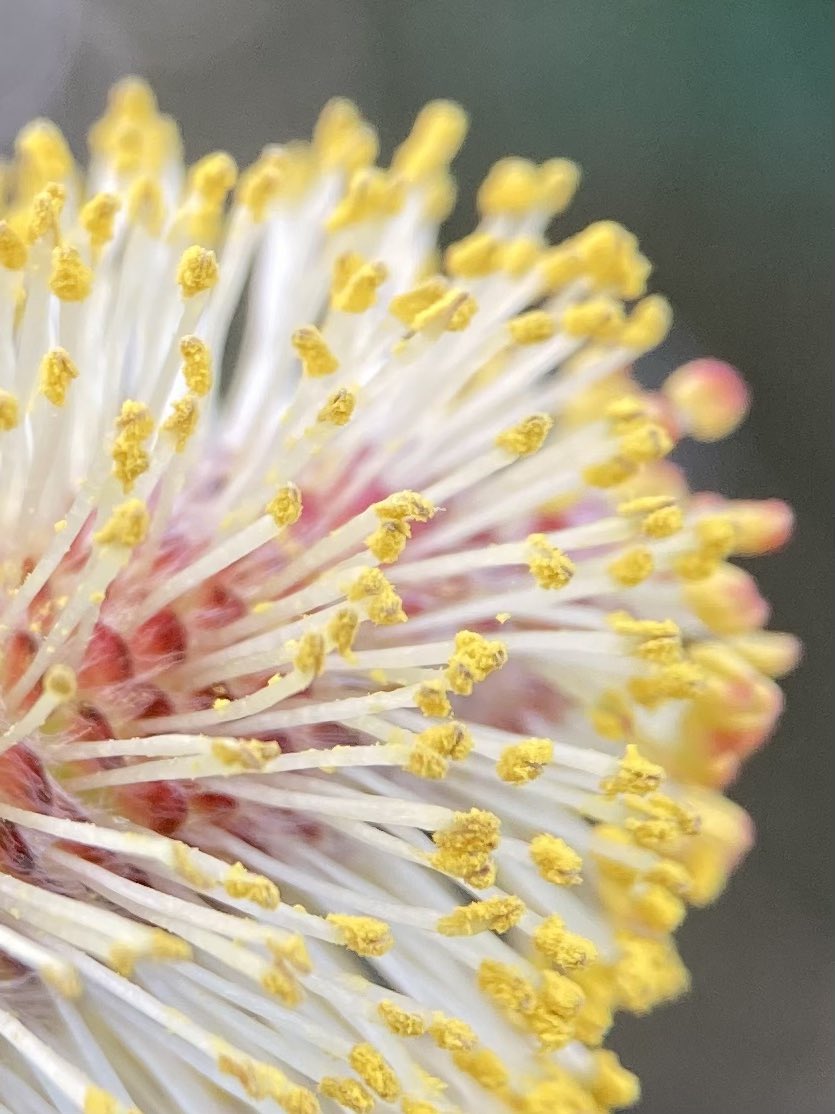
{"points": [[511, 187], [97, 218], [527, 436], [452, 312], [342, 629], [635, 775], [431, 699], [558, 183], [658, 909], [426, 763], [532, 327], [405, 505], [523, 762], [563, 949], [197, 271], [363, 935], [433, 142], [550, 567], [45, 215], [632, 567], [130, 460], [648, 324], [13, 250], [451, 740], [214, 176], [342, 139], [484, 1067], [57, 371], [317, 359], [388, 541], [465, 846], [310, 654], [495, 914], [473, 660], [339, 408], [418, 1106], [648, 972], [243, 884], [600, 319], [375, 1071], [9, 411], [355, 282], [197, 365], [520, 256], [372, 194], [97, 1101], [473, 257], [555, 860], [451, 1034], [409, 306], [400, 1021], [678, 681], [662, 523], [70, 279], [127, 526], [182, 421], [285, 507], [349, 1093], [608, 473], [613, 1086]]}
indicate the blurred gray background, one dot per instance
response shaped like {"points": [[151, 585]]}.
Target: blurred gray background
{"points": [[706, 128]]}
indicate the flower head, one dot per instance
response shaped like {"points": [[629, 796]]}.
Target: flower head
{"points": [[365, 710]]}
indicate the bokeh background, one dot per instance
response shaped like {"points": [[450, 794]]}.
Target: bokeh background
{"points": [[705, 127]]}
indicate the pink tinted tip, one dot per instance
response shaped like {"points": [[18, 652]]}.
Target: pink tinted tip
{"points": [[763, 525], [710, 397]]}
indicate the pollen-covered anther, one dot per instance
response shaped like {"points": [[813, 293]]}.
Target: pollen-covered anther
{"points": [[405, 506], [98, 218], [550, 567], [213, 176], [525, 761], [451, 740], [527, 436], [285, 507], [388, 541], [341, 631], [406, 307], [13, 250], [317, 359], [612, 1086], [401, 1022], [451, 312], [355, 282], [648, 324], [349, 1093], [432, 700], [473, 660], [466, 845], [372, 194], [476, 256], [56, 372], [197, 271], [566, 951], [599, 319], [436, 135], [485, 1067], [375, 1071], [182, 420], [632, 567], [451, 1033], [243, 884], [70, 279], [134, 426], [494, 914], [382, 604], [635, 774], [555, 860], [426, 763], [9, 411], [45, 214], [197, 365], [127, 526], [339, 408], [532, 327], [364, 935], [309, 656]]}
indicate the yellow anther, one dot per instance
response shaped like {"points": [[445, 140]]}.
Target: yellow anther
{"points": [[146, 205], [60, 682], [97, 218], [452, 312], [484, 1067], [342, 139], [642, 505], [56, 372], [426, 763], [645, 443], [609, 473], [663, 522], [70, 279], [338, 408], [532, 327], [418, 1106], [527, 436], [260, 1081], [494, 914], [565, 950], [657, 908], [197, 365], [560, 265], [408, 307], [555, 860], [372, 194], [43, 155], [512, 187], [349, 1093], [214, 176], [342, 629], [405, 506], [363, 935], [440, 194], [635, 774], [613, 1086], [450, 740], [298, 1100], [558, 183], [465, 846], [387, 542], [9, 411], [450, 1033], [285, 507], [679, 681], [632, 567], [134, 425], [355, 282], [623, 623], [126, 527], [523, 762], [473, 660], [475, 256], [197, 271], [716, 536], [673, 876], [431, 699], [648, 972], [310, 654], [648, 324], [261, 185], [243, 884], [98, 1101], [317, 359], [520, 255], [400, 1021], [375, 1071], [13, 250], [182, 421], [550, 567], [433, 142], [600, 319], [45, 214]]}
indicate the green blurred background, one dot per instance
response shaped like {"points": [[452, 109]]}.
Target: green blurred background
{"points": [[704, 126]]}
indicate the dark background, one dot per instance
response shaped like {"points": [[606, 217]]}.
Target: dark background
{"points": [[706, 128]]}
